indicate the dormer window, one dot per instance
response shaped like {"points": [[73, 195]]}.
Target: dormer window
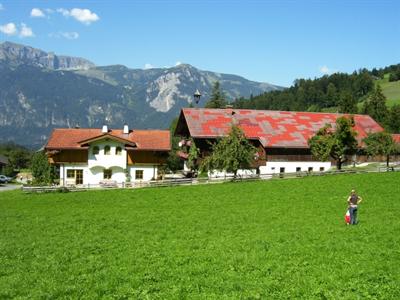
{"points": [[107, 150], [118, 151], [95, 150]]}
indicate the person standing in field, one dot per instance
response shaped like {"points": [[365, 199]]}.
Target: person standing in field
{"points": [[353, 200]]}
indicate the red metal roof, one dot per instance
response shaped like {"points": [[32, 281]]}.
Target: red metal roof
{"points": [[271, 128], [396, 138], [70, 138]]}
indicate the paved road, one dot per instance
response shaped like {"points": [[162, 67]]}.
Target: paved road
{"points": [[9, 187]]}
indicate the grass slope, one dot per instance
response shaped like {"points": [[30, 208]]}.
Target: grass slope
{"points": [[281, 239], [391, 90]]}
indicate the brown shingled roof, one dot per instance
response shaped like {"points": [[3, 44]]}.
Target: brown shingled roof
{"points": [[70, 138]]}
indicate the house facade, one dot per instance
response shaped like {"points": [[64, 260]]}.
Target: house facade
{"points": [[96, 156], [280, 136]]}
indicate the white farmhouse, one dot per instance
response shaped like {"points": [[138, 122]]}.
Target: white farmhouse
{"points": [[100, 156]]}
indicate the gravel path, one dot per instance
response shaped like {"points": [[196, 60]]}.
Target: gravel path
{"points": [[9, 187]]}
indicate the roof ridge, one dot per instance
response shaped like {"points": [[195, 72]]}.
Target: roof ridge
{"points": [[271, 110]]}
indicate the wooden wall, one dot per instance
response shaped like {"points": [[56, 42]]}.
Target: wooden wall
{"points": [[147, 157], [69, 156]]}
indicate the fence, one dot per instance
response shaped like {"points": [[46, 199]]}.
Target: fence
{"points": [[196, 181]]}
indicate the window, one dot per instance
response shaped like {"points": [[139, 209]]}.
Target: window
{"points": [[76, 175], [321, 169], [298, 169], [282, 170], [107, 174], [107, 150], [95, 150], [70, 173], [118, 151], [139, 174], [310, 169]]}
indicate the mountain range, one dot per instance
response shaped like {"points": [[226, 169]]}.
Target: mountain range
{"points": [[40, 91]]}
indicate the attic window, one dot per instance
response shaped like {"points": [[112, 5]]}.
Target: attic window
{"points": [[107, 150], [95, 150], [118, 151]]}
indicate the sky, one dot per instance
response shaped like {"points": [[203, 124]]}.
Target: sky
{"points": [[266, 41]]}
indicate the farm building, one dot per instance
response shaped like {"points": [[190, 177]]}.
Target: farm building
{"points": [[105, 156], [281, 136]]}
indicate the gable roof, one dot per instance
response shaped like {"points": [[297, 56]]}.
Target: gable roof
{"points": [[72, 138], [285, 129], [108, 136]]}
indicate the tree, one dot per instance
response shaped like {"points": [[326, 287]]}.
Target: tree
{"points": [[331, 95], [193, 155], [231, 153], [337, 143], [394, 119], [347, 103], [393, 77], [375, 105], [41, 169], [217, 99], [174, 163], [380, 143]]}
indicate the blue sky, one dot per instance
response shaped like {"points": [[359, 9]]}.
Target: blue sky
{"points": [[271, 41]]}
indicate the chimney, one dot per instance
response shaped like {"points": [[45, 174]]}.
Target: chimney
{"points": [[105, 129], [126, 129]]}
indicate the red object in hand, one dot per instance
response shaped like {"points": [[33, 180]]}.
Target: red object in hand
{"points": [[347, 217]]}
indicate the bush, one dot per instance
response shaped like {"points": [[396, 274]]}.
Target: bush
{"points": [[393, 77]]}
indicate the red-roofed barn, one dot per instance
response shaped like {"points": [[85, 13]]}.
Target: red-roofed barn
{"points": [[282, 136], [93, 156]]}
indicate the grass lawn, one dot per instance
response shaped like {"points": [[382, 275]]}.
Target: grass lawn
{"points": [[391, 90], [277, 239]]}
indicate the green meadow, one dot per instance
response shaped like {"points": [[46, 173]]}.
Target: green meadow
{"points": [[276, 239], [391, 90]]}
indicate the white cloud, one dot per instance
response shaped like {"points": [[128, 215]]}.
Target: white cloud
{"points": [[37, 13], [9, 29], [1, 6], [68, 35], [63, 11], [84, 16], [26, 31], [178, 63], [49, 10], [148, 66], [326, 71]]}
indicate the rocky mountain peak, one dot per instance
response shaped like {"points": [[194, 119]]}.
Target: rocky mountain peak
{"points": [[16, 54]]}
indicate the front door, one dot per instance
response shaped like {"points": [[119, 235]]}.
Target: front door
{"points": [[79, 176]]}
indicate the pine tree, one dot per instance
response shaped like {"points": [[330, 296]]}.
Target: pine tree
{"points": [[347, 103], [331, 95], [217, 99], [375, 106], [394, 119]]}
